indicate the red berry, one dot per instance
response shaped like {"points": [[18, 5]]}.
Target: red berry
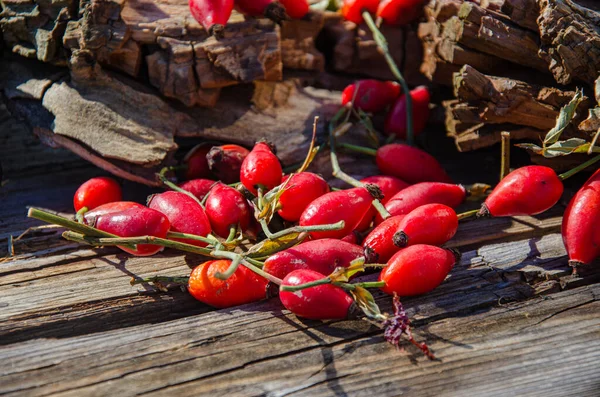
{"points": [[109, 208], [425, 193], [225, 162], [135, 222], [300, 191], [258, 8], [185, 214], [379, 245], [527, 190], [261, 168], [352, 238], [244, 286], [432, 224], [196, 162], [389, 185], [580, 227], [322, 302], [417, 269], [296, 9], [352, 9], [322, 256], [345, 205], [372, 96], [198, 187], [410, 164], [366, 220], [226, 208], [211, 14], [399, 12], [95, 192], [395, 121]]}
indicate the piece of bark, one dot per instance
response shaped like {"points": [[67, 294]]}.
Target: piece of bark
{"points": [[485, 135], [570, 37], [503, 100], [298, 37], [523, 12]]}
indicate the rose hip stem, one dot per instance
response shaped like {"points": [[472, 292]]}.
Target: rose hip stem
{"points": [[505, 155], [67, 223], [383, 46], [301, 229], [233, 256], [337, 171], [580, 167], [172, 186], [188, 236], [467, 214], [327, 280]]}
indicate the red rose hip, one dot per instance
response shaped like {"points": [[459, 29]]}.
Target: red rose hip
{"points": [[95, 192], [395, 121], [226, 208], [352, 9], [225, 162], [379, 245], [301, 190], [373, 95], [410, 164], [212, 14], [261, 168], [432, 224]]}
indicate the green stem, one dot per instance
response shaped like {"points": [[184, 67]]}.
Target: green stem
{"points": [[172, 235], [232, 233], [250, 266], [301, 229], [79, 216], [505, 155], [255, 262], [383, 46], [235, 263], [369, 284], [174, 187], [160, 279], [358, 149], [294, 288], [580, 167], [265, 229], [96, 241], [66, 223], [467, 214]]}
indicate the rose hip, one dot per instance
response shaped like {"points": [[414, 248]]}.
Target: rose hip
{"points": [[227, 208], [198, 187], [349, 206], [321, 302], [395, 121], [109, 208], [399, 12], [425, 193], [300, 191], [244, 286], [432, 224], [212, 14], [225, 162], [527, 190], [372, 96], [352, 238], [410, 164], [580, 227], [322, 256], [295, 9], [389, 185], [352, 9], [379, 245], [417, 269], [135, 222], [196, 162], [258, 8], [261, 168], [184, 214], [95, 192]]}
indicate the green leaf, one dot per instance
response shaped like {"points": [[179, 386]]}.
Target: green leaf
{"points": [[564, 118], [564, 148], [365, 301], [269, 247]]}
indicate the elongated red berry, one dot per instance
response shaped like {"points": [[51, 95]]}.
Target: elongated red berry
{"points": [[349, 206], [417, 269], [196, 162], [258, 8], [135, 222], [301, 190], [352, 238], [527, 190], [227, 208], [109, 208], [399, 12], [352, 9], [225, 162], [296, 9], [389, 185], [410, 164], [432, 224], [261, 168], [425, 193], [185, 214], [379, 245], [322, 302], [198, 187], [372, 96], [322, 255], [212, 14], [244, 286], [581, 224], [95, 192], [395, 121]]}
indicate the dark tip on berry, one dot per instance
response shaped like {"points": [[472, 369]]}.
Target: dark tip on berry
{"points": [[456, 253], [217, 30], [276, 12], [245, 192], [272, 290], [484, 212], [575, 265], [149, 199], [214, 156], [370, 255], [400, 239], [270, 144], [374, 191], [354, 312]]}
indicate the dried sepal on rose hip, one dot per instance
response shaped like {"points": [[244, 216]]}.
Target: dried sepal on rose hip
{"points": [[225, 162], [262, 8], [212, 14]]}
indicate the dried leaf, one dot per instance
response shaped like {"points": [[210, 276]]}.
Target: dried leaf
{"points": [[365, 301], [343, 274], [269, 247], [564, 118], [564, 148], [477, 191], [530, 146]]}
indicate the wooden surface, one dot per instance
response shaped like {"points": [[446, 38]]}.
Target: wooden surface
{"points": [[509, 320]]}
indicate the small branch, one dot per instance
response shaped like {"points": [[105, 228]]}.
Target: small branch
{"points": [[235, 263], [580, 167], [467, 214], [301, 229], [172, 186], [358, 149], [246, 263], [173, 235], [294, 288], [505, 156], [79, 216], [66, 223]]}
